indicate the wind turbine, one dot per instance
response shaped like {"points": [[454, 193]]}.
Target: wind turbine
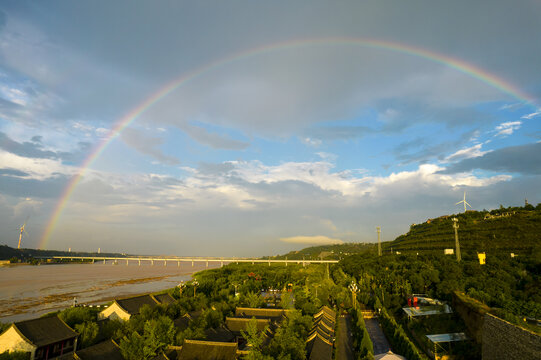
{"points": [[22, 230], [465, 202]]}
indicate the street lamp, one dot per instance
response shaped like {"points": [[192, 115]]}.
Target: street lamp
{"points": [[181, 285], [354, 288], [195, 285]]}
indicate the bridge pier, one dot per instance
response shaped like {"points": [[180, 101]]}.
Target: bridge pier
{"points": [[92, 261], [152, 262], [207, 265], [139, 262], [221, 264], [127, 262], [192, 263], [164, 262], [269, 262], [103, 261], [178, 263]]}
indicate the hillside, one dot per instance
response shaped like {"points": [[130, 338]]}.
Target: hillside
{"points": [[327, 252], [513, 229]]}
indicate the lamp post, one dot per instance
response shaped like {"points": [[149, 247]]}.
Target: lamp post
{"points": [[353, 288], [195, 284], [457, 244], [181, 286]]}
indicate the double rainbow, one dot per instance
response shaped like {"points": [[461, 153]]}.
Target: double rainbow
{"points": [[125, 121]]}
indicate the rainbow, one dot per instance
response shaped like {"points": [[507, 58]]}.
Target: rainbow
{"points": [[125, 121]]}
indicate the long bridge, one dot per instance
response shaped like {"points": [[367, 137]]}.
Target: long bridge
{"points": [[193, 260]]}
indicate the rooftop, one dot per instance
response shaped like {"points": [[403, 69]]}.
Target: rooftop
{"points": [[133, 304], [46, 330], [104, 350]]}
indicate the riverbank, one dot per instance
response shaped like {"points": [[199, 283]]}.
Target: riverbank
{"points": [[30, 291]]}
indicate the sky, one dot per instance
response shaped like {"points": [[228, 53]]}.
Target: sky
{"points": [[251, 128]]}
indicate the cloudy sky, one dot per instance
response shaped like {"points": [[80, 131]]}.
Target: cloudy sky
{"points": [[287, 124]]}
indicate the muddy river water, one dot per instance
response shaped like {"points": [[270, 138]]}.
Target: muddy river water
{"points": [[28, 291]]}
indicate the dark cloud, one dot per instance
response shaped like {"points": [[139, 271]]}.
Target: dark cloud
{"points": [[147, 145], [26, 149], [213, 169], [34, 149], [420, 150], [523, 159], [214, 140], [340, 132], [49, 188]]}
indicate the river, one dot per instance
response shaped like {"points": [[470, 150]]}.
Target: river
{"points": [[28, 291]]}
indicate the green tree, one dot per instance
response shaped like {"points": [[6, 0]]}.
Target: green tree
{"points": [[88, 332], [255, 341]]}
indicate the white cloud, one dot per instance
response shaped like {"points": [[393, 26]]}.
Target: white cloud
{"points": [[507, 128], [35, 168], [311, 240], [532, 115], [471, 152], [310, 141]]}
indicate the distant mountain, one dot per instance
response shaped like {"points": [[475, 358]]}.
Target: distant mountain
{"points": [[513, 229]]}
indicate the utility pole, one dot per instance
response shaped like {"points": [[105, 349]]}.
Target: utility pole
{"points": [[457, 244], [378, 229]]}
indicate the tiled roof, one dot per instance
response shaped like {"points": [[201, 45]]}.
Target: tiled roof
{"points": [[238, 324], [320, 339], [104, 350], [219, 335], [319, 349], [164, 298], [260, 313], [207, 350], [44, 331], [133, 304]]}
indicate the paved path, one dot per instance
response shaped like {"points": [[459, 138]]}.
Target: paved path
{"points": [[381, 345], [344, 343]]}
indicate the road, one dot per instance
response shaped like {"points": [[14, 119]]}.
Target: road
{"points": [[344, 343], [381, 345]]}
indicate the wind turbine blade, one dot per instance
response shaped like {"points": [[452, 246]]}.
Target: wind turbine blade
{"points": [[468, 204], [460, 202]]}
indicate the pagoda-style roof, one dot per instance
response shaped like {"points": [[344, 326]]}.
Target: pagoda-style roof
{"points": [[45, 331], [319, 348], [327, 312], [104, 350], [208, 350], [320, 339], [164, 298], [132, 305], [237, 324]]}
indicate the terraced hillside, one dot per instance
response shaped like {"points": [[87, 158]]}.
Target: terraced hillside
{"points": [[514, 229]]}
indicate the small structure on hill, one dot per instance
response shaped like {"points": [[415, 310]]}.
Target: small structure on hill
{"points": [[123, 309], [105, 350], [43, 338]]}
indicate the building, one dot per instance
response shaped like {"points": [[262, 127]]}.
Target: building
{"points": [[320, 340], [43, 338], [105, 350], [123, 309], [208, 350]]}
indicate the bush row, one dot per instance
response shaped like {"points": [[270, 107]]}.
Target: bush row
{"points": [[396, 335]]}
